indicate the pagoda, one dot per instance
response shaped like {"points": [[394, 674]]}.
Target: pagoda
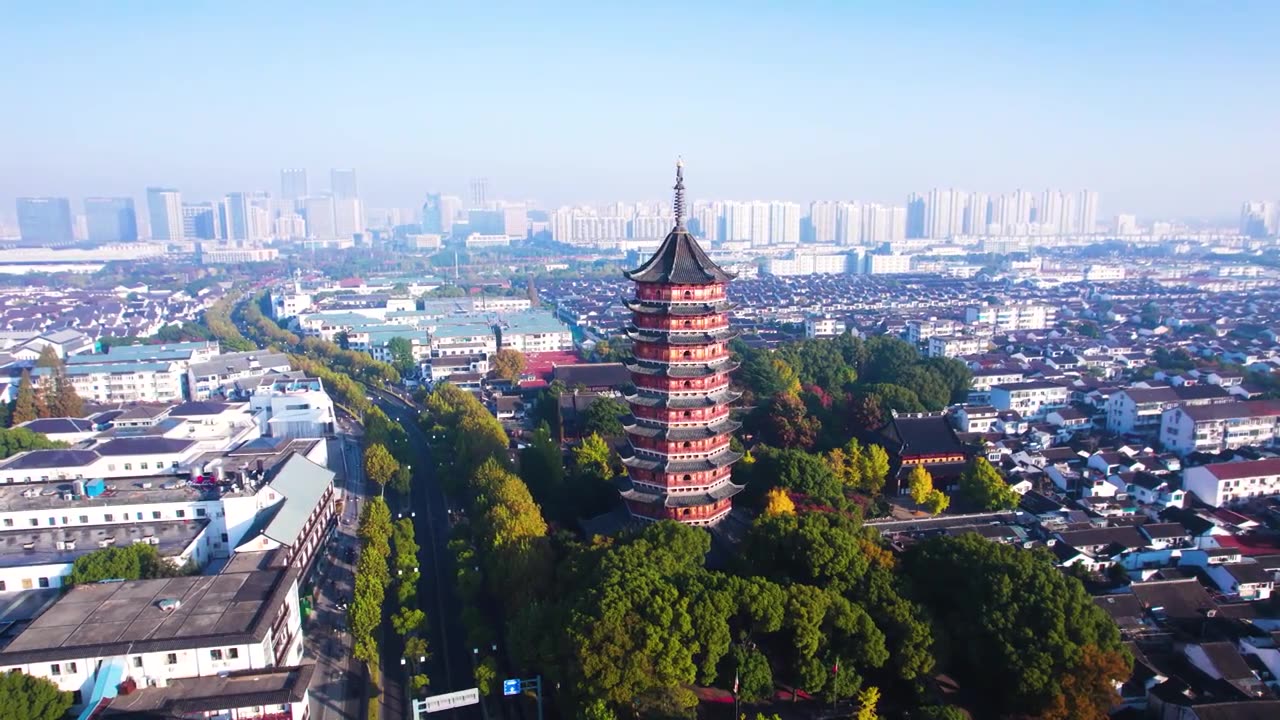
{"points": [[679, 463]]}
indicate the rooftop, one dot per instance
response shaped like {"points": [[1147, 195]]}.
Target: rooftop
{"points": [[1245, 469], [40, 546], [116, 618], [188, 696]]}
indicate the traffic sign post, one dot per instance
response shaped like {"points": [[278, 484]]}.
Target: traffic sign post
{"points": [[515, 686], [447, 701]]}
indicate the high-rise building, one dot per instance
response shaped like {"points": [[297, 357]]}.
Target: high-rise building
{"points": [[848, 224], [1087, 207], [432, 218], [1126, 225], [1051, 213], [1258, 219], [679, 461], [977, 214], [110, 220], [348, 217], [737, 221], [45, 220], [784, 223], [759, 219], [916, 227], [319, 215], [202, 221], [342, 183], [164, 210], [824, 221], [710, 223], [239, 222], [479, 192], [293, 184]]}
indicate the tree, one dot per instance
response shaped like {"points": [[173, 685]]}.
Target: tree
{"points": [[1016, 629], [59, 394], [846, 463], [788, 423], [777, 502], [509, 364], [542, 466], [1088, 692], [919, 484], [593, 458], [24, 405], [983, 486], [130, 562], [940, 712], [402, 481], [16, 440], [604, 417], [875, 469], [401, 351], [868, 698], [751, 668], [936, 501], [407, 621], [25, 697], [799, 472], [379, 466], [343, 339]]}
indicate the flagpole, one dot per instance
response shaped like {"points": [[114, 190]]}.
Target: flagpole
{"points": [[736, 712], [834, 681]]}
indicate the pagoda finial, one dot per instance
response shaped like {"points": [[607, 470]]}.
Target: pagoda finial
{"points": [[678, 205]]}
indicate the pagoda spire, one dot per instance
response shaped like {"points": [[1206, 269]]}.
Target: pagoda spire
{"points": [[678, 205]]}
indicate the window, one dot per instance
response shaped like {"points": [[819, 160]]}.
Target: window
{"points": [[2, 587], [155, 514], [139, 515], [128, 466], [55, 669], [44, 582], [173, 464], [137, 661], [142, 466], [172, 659], [108, 517], [200, 512], [8, 522], [84, 519], [180, 513], [27, 584], [215, 654], [111, 467], [53, 521], [35, 522], [224, 537], [233, 653], [71, 668], [76, 697]]}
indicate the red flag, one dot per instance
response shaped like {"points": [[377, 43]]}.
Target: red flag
{"points": [[835, 669]]}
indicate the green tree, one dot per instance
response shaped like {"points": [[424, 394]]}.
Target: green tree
{"points": [[889, 396], [1016, 629], [24, 405], [379, 466], [940, 712], [401, 351], [919, 484], [755, 677], [130, 562], [874, 469], [402, 481], [542, 466], [509, 364], [407, 621], [25, 697], [593, 458], [789, 424], [799, 472], [983, 486], [847, 462], [935, 502], [16, 440], [604, 417]]}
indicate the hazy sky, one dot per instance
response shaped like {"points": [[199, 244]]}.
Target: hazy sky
{"points": [[1164, 107]]}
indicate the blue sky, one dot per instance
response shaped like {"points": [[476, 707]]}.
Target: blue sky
{"points": [[1164, 107]]}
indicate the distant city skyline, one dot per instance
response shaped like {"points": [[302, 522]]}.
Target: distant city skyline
{"points": [[1156, 106]]}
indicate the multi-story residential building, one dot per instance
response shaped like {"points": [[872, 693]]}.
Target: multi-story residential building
{"points": [[1228, 483], [1225, 426], [956, 345], [444, 368], [811, 263], [1137, 411], [986, 378], [218, 376], [1032, 399], [919, 331], [823, 326], [887, 264], [293, 408], [1012, 317]]}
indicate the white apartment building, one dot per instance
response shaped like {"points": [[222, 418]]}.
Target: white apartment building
{"points": [[975, 418], [442, 368], [498, 303], [1223, 426], [878, 264], [950, 346], [919, 331], [1011, 317], [476, 240], [217, 376], [823, 326], [1033, 399], [533, 332], [987, 378], [809, 263], [287, 303], [128, 382], [1228, 483], [1139, 410], [156, 631]]}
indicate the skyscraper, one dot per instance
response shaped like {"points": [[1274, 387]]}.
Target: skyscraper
{"points": [[45, 220], [916, 227], [823, 220], [432, 220], [479, 192], [1088, 209], [977, 214], [342, 182], [293, 184], [348, 217], [320, 217], [939, 217], [848, 224], [1258, 219], [202, 221], [164, 209], [759, 219], [110, 220], [238, 222], [784, 223]]}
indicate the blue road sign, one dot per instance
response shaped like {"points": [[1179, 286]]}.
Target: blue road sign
{"points": [[511, 687]]}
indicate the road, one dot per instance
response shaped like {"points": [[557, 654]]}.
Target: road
{"points": [[337, 686], [451, 660]]}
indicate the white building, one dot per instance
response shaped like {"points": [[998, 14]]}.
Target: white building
{"points": [[164, 208], [1140, 410], [1033, 399], [216, 377], [476, 240], [1228, 483], [878, 264], [956, 345], [810, 263], [919, 331], [1223, 426], [534, 332], [1012, 317], [293, 408], [823, 326]]}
